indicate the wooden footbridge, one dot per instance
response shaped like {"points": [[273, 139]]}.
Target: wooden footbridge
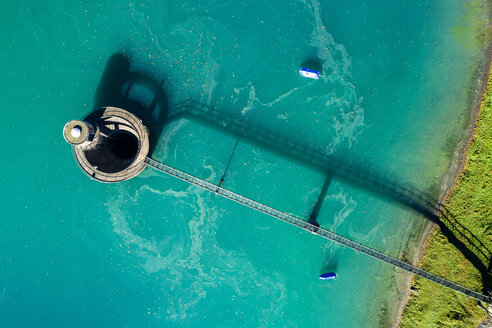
{"points": [[313, 228]]}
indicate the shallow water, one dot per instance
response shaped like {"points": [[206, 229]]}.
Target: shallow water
{"points": [[154, 251]]}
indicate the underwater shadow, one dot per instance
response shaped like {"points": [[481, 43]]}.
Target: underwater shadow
{"points": [[121, 86], [313, 64], [390, 188]]}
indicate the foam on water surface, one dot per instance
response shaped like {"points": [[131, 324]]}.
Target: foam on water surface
{"points": [[194, 264]]}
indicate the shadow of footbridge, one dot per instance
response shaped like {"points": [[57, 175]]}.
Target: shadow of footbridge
{"points": [[456, 233]]}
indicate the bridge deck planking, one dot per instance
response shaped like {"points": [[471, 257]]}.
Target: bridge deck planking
{"points": [[313, 229]]}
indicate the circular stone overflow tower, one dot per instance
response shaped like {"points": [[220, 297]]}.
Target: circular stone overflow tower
{"points": [[110, 144]]}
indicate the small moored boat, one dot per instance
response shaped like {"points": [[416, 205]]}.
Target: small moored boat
{"points": [[309, 73], [328, 276]]}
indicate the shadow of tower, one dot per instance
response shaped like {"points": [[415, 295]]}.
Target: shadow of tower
{"points": [[115, 89]]}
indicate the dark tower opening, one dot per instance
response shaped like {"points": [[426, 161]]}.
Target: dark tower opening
{"points": [[123, 145]]}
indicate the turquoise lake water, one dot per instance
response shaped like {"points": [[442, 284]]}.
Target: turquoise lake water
{"points": [[156, 252]]}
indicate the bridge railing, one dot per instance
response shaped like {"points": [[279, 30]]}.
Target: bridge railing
{"points": [[289, 218]]}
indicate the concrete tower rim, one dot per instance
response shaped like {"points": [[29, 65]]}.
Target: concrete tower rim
{"points": [[108, 121]]}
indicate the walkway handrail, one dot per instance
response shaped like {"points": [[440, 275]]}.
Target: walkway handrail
{"points": [[319, 231]]}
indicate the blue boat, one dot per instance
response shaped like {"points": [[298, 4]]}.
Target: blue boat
{"points": [[328, 276], [309, 73]]}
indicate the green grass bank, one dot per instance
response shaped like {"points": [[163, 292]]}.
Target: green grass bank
{"points": [[470, 200]]}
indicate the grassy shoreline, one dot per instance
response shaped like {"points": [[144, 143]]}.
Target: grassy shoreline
{"points": [[470, 200]]}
